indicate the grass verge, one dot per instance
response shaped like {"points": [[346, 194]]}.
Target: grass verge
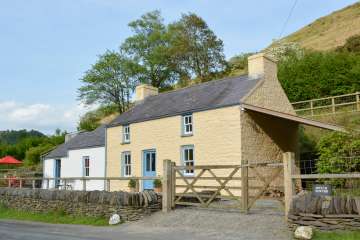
{"points": [[51, 217], [337, 235]]}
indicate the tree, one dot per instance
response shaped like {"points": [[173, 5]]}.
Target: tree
{"points": [[111, 80], [319, 74], [149, 51], [196, 50]]}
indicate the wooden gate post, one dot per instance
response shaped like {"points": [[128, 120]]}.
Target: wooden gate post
{"points": [[245, 186], [167, 186], [173, 184], [289, 184]]}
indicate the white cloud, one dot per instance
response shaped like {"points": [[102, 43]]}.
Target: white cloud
{"points": [[42, 117]]}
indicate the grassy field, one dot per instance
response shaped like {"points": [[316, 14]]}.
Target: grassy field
{"points": [[329, 31], [51, 217], [337, 235]]}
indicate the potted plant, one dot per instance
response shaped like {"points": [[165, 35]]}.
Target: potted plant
{"points": [[157, 185], [132, 185]]}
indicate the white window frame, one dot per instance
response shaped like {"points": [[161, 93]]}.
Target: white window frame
{"points": [[187, 124], [126, 133], [126, 164], [188, 172], [86, 169]]}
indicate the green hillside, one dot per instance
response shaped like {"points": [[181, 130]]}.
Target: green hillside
{"points": [[330, 31]]}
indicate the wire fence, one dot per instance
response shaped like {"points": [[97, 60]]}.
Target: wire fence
{"points": [[340, 174]]}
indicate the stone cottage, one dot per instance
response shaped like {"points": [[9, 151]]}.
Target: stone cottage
{"points": [[218, 122]]}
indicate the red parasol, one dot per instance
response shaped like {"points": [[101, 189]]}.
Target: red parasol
{"points": [[9, 160]]}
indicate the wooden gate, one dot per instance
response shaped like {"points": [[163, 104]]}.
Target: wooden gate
{"points": [[264, 180], [221, 186]]}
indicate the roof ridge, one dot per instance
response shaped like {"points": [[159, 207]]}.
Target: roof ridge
{"points": [[203, 84]]}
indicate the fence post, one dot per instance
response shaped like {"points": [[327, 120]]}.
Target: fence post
{"points": [[358, 101], [33, 183], [173, 184], [9, 183], [137, 186], [166, 196], [108, 185], [312, 108], [289, 184], [244, 186], [20, 183], [333, 104], [84, 184]]}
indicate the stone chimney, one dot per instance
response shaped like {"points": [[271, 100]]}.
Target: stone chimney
{"points": [[261, 65], [143, 91], [69, 136]]}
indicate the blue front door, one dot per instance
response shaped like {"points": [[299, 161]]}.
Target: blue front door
{"points": [[149, 168], [57, 172]]}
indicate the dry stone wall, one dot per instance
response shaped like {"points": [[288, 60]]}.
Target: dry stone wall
{"points": [[130, 206], [325, 212]]}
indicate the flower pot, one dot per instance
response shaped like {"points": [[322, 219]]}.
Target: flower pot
{"points": [[132, 189], [158, 189]]}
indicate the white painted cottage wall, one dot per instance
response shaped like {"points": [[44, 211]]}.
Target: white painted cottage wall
{"points": [[49, 171], [72, 166]]}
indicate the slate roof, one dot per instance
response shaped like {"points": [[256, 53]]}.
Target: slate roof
{"points": [[91, 139], [209, 95]]}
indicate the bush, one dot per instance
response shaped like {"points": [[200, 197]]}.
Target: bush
{"points": [[157, 183], [132, 183], [339, 153]]}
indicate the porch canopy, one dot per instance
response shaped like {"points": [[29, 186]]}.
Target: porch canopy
{"points": [[9, 160], [293, 118]]}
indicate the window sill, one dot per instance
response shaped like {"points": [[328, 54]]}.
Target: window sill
{"points": [[187, 135], [124, 143]]}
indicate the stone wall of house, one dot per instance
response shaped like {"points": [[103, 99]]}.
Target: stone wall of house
{"points": [[213, 143], [325, 212], [130, 206]]}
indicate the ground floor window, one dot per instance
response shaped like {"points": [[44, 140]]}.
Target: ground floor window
{"points": [[126, 164], [86, 160], [187, 157]]}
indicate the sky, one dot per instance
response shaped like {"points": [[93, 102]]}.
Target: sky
{"points": [[47, 45]]}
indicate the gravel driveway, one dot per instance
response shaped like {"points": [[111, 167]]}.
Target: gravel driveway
{"points": [[266, 221], [184, 223]]}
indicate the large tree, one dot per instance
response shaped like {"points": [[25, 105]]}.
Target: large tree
{"points": [[149, 49], [198, 52], [110, 80]]}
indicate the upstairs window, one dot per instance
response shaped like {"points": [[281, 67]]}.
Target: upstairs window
{"points": [[86, 161], [126, 164], [126, 134], [188, 160], [187, 122]]}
